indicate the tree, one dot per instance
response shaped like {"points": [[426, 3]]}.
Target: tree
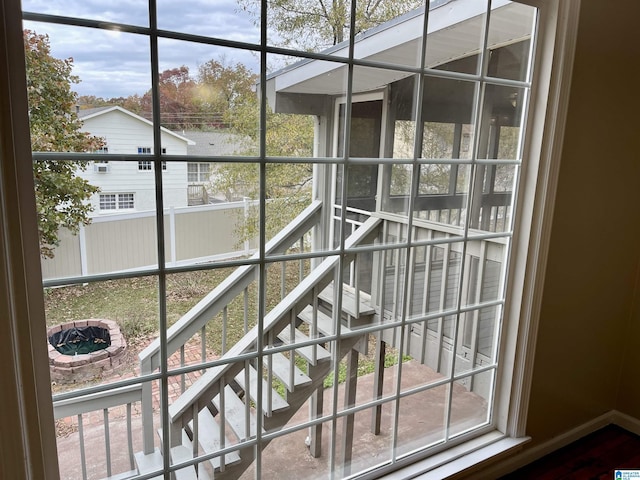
{"points": [[318, 24], [224, 88], [231, 89], [179, 103], [288, 185], [61, 196], [133, 103]]}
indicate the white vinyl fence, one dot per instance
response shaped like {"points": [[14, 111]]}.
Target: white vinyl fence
{"points": [[127, 241]]}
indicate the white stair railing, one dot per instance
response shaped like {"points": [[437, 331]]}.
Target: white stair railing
{"points": [[208, 385], [215, 302]]}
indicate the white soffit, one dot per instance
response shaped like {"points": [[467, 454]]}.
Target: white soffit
{"points": [[455, 31]]}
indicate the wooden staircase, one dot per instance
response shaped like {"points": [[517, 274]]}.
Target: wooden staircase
{"points": [[299, 348]]}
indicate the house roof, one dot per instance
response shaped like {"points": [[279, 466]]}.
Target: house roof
{"points": [[454, 31], [213, 142], [90, 113]]}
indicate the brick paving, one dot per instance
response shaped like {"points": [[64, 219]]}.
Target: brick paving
{"points": [[176, 384]]}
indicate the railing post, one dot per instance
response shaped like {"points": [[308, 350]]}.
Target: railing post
{"points": [[247, 246], [172, 234], [84, 261], [147, 409]]}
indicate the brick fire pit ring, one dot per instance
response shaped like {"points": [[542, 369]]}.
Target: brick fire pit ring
{"points": [[86, 366]]}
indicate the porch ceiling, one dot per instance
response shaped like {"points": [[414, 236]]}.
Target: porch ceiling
{"points": [[455, 31]]}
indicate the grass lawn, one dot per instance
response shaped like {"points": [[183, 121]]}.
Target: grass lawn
{"points": [[133, 304]]}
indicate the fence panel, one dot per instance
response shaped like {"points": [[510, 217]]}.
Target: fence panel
{"points": [[127, 241]]}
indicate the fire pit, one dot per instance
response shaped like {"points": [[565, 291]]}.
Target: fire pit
{"points": [[84, 349]]}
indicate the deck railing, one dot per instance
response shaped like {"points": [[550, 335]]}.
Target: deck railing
{"points": [[118, 401]]}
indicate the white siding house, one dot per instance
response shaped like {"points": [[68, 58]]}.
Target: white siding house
{"points": [[129, 185]]}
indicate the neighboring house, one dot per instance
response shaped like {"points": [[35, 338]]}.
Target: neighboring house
{"points": [[130, 185], [199, 174]]}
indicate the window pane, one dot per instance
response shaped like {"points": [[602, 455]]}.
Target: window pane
{"points": [[432, 420], [470, 400], [224, 20], [451, 35], [133, 13], [125, 200], [511, 61]]}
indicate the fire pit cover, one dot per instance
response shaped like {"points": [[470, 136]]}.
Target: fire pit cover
{"points": [[79, 340]]}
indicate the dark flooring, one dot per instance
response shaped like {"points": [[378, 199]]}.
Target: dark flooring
{"points": [[595, 456]]}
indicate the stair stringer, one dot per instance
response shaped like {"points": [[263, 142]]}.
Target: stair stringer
{"points": [[296, 400], [210, 384]]}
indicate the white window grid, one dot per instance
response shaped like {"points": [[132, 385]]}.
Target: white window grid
{"points": [[162, 270], [198, 172], [116, 201]]}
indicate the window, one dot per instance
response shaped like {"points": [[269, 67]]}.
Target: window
{"points": [[116, 201], [144, 164], [198, 172], [404, 270], [148, 164]]}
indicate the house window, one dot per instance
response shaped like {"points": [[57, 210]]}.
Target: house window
{"points": [[350, 255], [145, 165], [116, 201], [148, 164], [198, 172]]}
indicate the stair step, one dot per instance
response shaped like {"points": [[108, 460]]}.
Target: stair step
{"points": [[234, 413], [324, 322], [209, 439], [182, 453], [277, 402], [305, 352], [149, 463], [281, 366], [349, 301]]}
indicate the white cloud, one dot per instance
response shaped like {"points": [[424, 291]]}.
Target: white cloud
{"points": [[114, 64]]}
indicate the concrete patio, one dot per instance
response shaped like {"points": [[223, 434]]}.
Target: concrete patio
{"points": [[420, 423]]}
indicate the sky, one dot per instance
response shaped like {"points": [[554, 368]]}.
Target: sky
{"points": [[114, 64]]}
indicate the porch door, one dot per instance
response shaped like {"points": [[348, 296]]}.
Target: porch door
{"points": [[365, 134]]}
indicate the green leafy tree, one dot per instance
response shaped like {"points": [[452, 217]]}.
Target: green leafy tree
{"points": [[288, 185], [231, 89], [226, 88], [318, 24], [61, 196]]}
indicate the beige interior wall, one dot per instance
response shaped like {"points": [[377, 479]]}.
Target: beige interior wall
{"points": [[595, 240]]}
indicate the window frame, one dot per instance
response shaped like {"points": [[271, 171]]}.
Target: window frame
{"points": [[118, 201], [34, 419], [199, 172]]}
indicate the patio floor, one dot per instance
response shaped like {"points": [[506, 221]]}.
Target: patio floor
{"points": [[419, 423]]}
